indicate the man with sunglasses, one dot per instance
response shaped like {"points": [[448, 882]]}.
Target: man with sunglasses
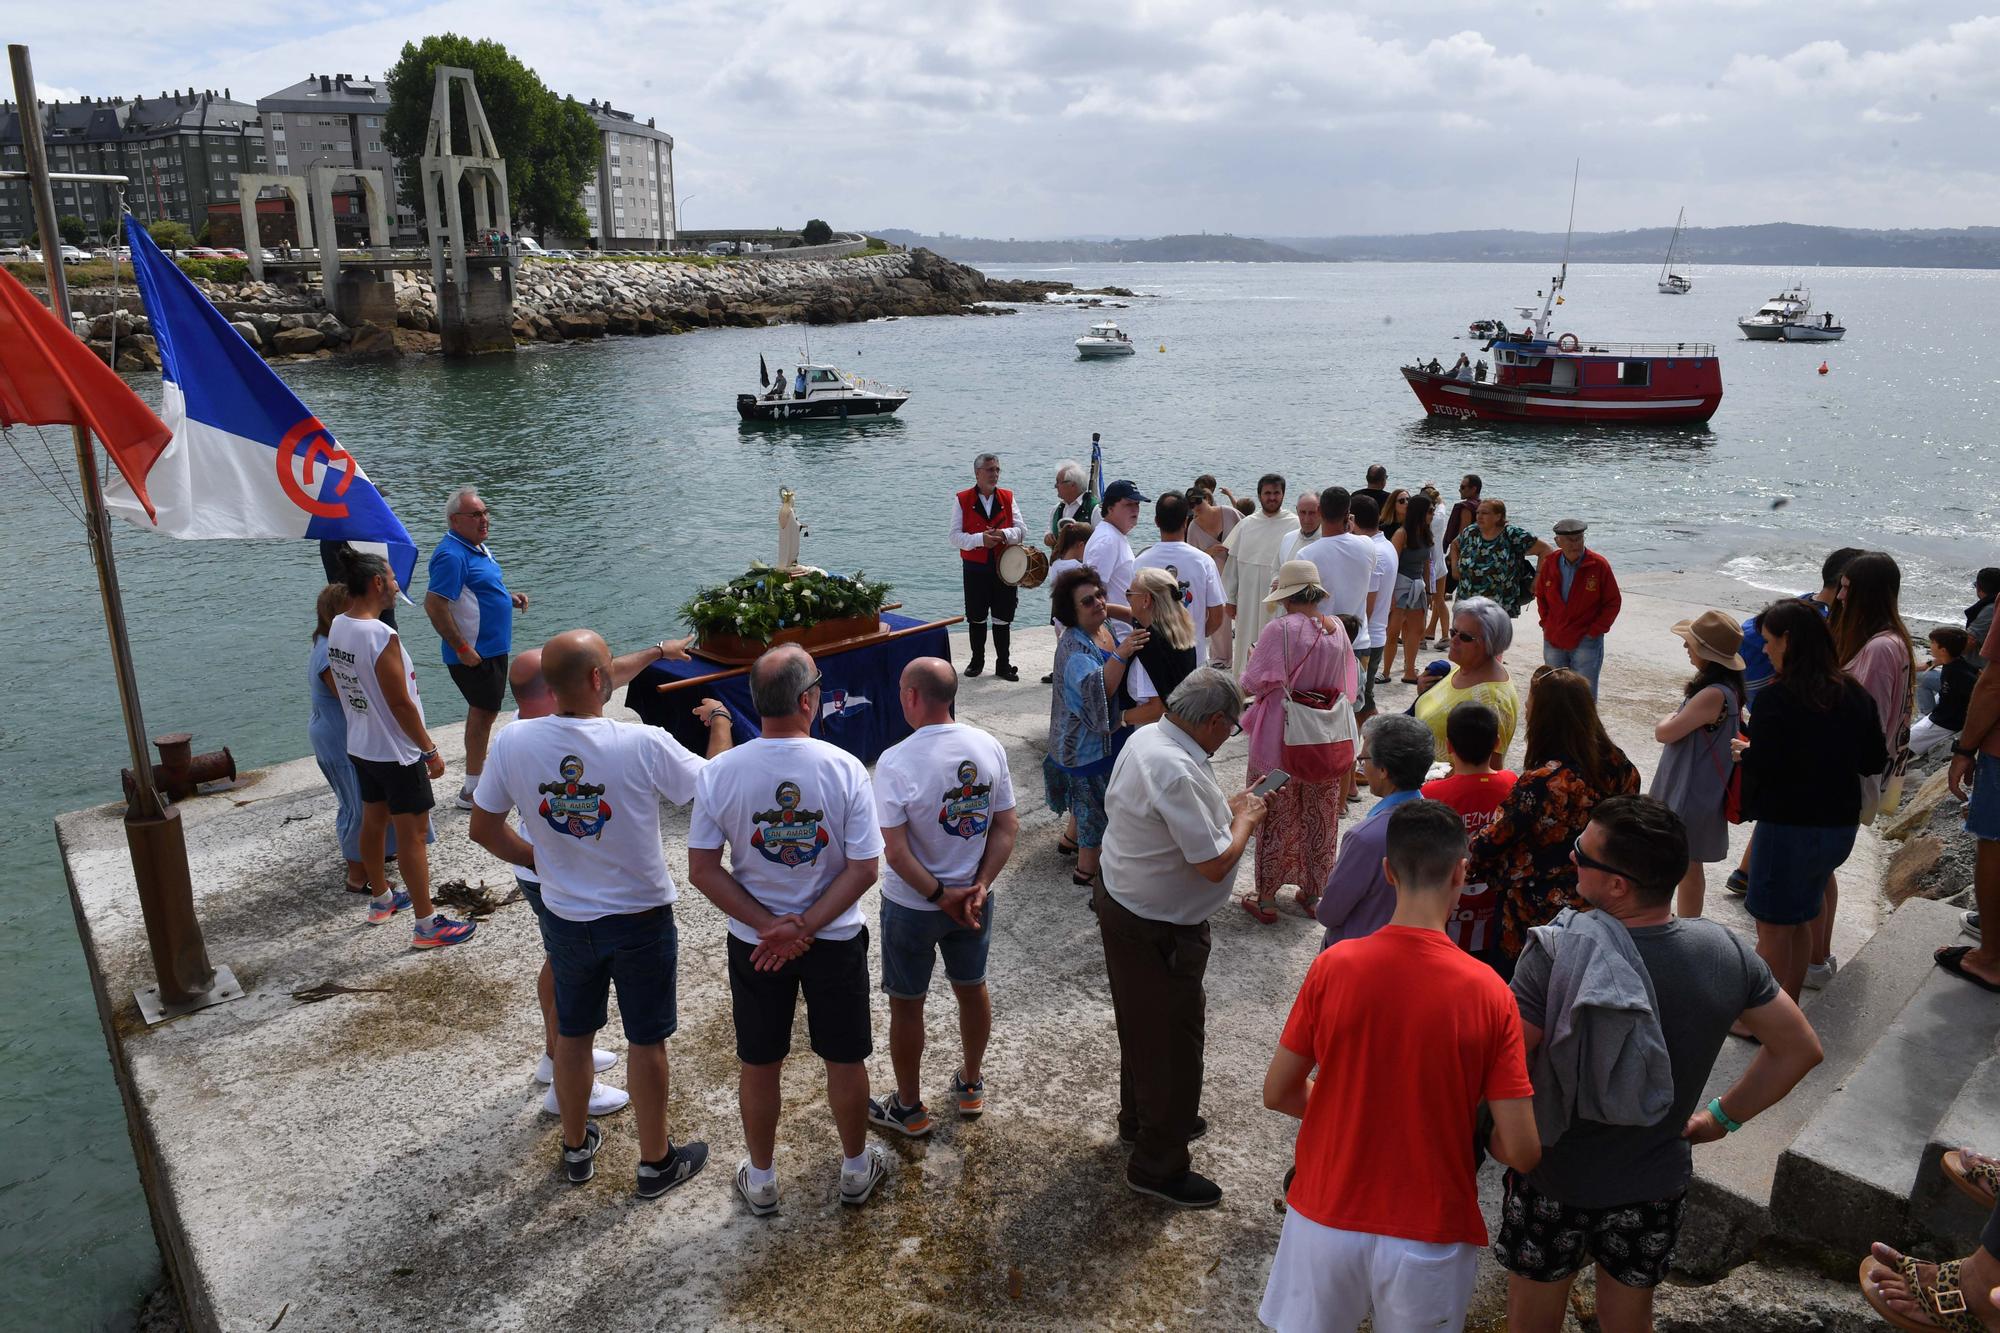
{"points": [[1615, 1194]]}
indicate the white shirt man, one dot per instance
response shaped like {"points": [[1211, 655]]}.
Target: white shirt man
{"points": [[1346, 565], [1200, 582], [1109, 551]]}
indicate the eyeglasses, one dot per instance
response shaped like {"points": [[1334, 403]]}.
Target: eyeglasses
{"points": [[1090, 599], [811, 685], [1463, 637], [1585, 861], [474, 513]]}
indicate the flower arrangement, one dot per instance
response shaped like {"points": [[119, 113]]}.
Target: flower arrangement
{"points": [[761, 603]]}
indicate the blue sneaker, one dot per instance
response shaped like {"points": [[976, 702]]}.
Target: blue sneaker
{"points": [[440, 931], [381, 909]]}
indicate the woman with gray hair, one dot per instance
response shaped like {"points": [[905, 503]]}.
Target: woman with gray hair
{"points": [[1480, 633], [1395, 758], [1304, 653]]}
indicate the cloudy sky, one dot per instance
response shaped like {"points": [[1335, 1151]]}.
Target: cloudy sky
{"points": [[1053, 119]]}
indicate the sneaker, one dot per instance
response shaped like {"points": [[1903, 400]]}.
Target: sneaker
{"points": [[464, 801], [1192, 1190], [1200, 1130], [889, 1113], [763, 1200], [604, 1100], [1968, 925], [580, 1164], [971, 1096], [1738, 882], [1818, 974], [1049, 679], [440, 931], [857, 1186], [381, 909], [679, 1166], [545, 1068]]}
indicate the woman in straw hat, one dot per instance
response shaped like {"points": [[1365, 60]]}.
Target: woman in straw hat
{"points": [[1693, 776], [1300, 650]]}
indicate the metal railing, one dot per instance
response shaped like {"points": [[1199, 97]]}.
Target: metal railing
{"points": [[1636, 350]]}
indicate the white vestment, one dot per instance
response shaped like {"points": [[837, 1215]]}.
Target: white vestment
{"points": [[1255, 553]]}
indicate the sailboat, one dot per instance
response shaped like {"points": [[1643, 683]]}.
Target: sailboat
{"points": [[1672, 283]]}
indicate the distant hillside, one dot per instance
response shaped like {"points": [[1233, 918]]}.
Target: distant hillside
{"points": [[1159, 250], [1772, 243]]}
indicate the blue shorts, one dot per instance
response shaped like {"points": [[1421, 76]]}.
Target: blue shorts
{"points": [[912, 940], [1789, 867], [638, 952], [1982, 811]]}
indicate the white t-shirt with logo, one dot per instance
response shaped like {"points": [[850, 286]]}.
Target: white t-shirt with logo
{"points": [[793, 812], [943, 784], [1201, 583], [1383, 584], [1346, 564], [588, 790], [352, 648], [1056, 570], [1110, 554]]}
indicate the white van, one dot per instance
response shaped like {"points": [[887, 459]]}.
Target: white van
{"points": [[527, 245]]}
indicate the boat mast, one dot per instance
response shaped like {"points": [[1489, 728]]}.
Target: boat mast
{"points": [[1556, 286], [1666, 265]]}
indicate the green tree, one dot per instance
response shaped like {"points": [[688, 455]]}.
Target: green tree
{"points": [[170, 235], [817, 232], [73, 231], [549, 142], [108, 229]]}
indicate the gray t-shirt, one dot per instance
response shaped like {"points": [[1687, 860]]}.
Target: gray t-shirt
{"points": [[1705, 976]]}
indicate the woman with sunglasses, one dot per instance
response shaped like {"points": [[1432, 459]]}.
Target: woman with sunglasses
{"points": [[1480, 633], [1084, 712], [1525, 854]]}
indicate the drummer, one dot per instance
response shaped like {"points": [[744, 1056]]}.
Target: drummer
{"points": [[983, 523]]}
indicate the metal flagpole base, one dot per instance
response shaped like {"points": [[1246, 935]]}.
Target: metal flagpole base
{"points": [[155, 1010]]}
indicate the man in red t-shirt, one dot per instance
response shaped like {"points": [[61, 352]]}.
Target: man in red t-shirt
{"points": [[1474, 789], [1409, 1036]]}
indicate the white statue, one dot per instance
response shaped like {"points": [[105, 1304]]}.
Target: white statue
{"points": [[790, 529]]}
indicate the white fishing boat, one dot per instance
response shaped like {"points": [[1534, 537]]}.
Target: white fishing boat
{"points": [[1825, 331], [1790, 306], [1104, 339], [1672, 283]]}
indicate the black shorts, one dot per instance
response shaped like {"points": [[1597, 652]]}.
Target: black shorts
{"points": [[484, 686], [1546, 1240], [406, 787], [834, 976]]}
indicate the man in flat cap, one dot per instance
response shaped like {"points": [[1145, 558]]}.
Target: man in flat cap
{"points": [[1578, 599]]}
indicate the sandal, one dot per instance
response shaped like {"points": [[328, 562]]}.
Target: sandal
{"points": [[1083, 881], [1256, 907], [1308, 902], [358, 888], [1942, 1302], [1064, 847], [1952, 960], [1975, 1174], [1412, 680]]}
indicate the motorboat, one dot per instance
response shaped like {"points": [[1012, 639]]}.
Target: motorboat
{"points": [[1672, 283], [1790, 306], [1825, 331], [1104, 339], [818, 392]]}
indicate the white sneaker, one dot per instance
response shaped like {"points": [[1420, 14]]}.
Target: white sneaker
{"points": [[856, 1186], [1968, 925], [464, 799], [545, 1068], [763, 1200], [604, 1099], [1818, 974]]}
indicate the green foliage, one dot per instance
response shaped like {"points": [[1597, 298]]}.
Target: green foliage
{"points": [[170, 235], [216, 270], [73, 230], [108, 229], [763, 601], [550, 143], [817, 232], [876, 246]]}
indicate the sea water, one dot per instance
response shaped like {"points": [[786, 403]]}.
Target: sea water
{"points": [[620, 481]]}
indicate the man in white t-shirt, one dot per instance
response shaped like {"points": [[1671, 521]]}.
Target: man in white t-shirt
{"points": [[798, 816], [1200, 582], [1110, 551], [1346, 563], [1364, 518], [588, 790], [946, 804]]}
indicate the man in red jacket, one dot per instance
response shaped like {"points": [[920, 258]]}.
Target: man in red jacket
{"points": [[1578, 599]]}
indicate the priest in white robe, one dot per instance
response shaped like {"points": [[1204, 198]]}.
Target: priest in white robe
{"points": [[1256, 550]]}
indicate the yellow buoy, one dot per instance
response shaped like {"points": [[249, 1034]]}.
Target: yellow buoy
{"points": [[1163, 347]]}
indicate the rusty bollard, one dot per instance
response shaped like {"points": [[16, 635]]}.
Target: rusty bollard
{"points": [[180, 770]]}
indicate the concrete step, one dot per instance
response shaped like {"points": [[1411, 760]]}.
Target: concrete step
{"points": [[1729, 1200], [1938, 1210], [1850, 1174]]}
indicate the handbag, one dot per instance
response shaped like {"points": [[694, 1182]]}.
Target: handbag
{"points": [[1732, 783], [1319, 730], [1890, 798]]}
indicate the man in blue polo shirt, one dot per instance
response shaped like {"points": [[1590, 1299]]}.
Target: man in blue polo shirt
{"points": [[469, 606]]}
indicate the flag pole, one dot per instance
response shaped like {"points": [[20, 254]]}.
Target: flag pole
{"points": [[153, 832]]}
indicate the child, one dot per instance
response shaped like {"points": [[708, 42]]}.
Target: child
{"points": [[1474, 789], [1698, 739], [1070, 541], [1948, 648]]}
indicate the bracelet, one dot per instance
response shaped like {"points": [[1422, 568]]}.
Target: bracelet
{"points": [[1963, 753], [429, 754], [939, 894], [1722, 1117]]}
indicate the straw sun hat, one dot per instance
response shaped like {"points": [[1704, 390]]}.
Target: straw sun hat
{"points": [[1294, 577], [1714, 637]]}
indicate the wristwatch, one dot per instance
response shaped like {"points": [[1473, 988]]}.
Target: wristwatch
{"points": [[1963, 753], [939, 894]]}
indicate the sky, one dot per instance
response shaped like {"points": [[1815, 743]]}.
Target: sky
{"points": [[1033, 119]]}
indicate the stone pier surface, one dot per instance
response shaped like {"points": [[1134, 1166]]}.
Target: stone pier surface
{"points": [[359, 1143]]}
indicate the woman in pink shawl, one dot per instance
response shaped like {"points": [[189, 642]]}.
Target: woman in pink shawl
{"points": [[1300, 650]]}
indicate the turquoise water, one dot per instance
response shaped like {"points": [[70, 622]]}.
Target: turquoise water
{"points": [[620, 481]]}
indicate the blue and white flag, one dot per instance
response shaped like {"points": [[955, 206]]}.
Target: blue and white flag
{"points": [[1097, 470], [247, 459]]}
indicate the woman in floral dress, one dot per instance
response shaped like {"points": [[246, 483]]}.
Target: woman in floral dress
{"points": [[1487, 558]]}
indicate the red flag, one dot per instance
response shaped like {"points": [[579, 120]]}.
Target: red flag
{"points": [[48, 377]]}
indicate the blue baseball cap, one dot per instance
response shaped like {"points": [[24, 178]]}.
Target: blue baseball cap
{"points": [[1122, 490]]}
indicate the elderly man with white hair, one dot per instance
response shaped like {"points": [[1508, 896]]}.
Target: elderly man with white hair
{"points": [[1171, 847], [468, 604], [1074, 501]]}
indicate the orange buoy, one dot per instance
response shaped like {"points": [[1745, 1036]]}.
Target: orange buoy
{"points": [[1822, 368]]}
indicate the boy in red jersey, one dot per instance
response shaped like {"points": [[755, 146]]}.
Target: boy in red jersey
{"points": [[1474, 789], [1409, 1035]]}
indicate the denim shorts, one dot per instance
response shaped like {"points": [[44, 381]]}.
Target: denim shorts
{"points": [[912, 940], [1789, 866], [638, 952], [1982, 812]]}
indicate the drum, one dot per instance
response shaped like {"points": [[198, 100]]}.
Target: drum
{"points": [[1013, 562], [1038, 569]]}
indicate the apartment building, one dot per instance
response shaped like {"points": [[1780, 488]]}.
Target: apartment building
{"points": [[336, 120], [629, 199]]}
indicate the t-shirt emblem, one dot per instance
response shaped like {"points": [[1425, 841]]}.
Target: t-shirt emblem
{"points": [[1186, 588], [964, 813], [788, 835], [572, 805]]}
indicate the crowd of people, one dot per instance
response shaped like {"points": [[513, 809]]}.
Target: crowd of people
{"points": [[1486, 924]]}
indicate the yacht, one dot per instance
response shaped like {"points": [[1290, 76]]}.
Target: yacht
{"points": [[1790, 306], [1104, 339], [1672, 283], [820, 393]]}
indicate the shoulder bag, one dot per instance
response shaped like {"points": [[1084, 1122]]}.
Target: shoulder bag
{"points": [[1319, 730]]}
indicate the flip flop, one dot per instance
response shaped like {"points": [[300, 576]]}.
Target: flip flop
{"points": [[1258, 910], [1952, 960], [1944, 1292], [1976, 1175]]}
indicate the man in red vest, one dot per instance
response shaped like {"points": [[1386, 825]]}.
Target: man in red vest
{"points": [[982, 521]]}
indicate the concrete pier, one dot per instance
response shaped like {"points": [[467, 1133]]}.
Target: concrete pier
{"points": [[359, 1143]]}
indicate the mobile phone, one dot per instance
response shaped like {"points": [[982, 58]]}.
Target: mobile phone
{"points": [[1273, 780]]}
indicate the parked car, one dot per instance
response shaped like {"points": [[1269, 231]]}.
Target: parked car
{"points": [[72, 255]]}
